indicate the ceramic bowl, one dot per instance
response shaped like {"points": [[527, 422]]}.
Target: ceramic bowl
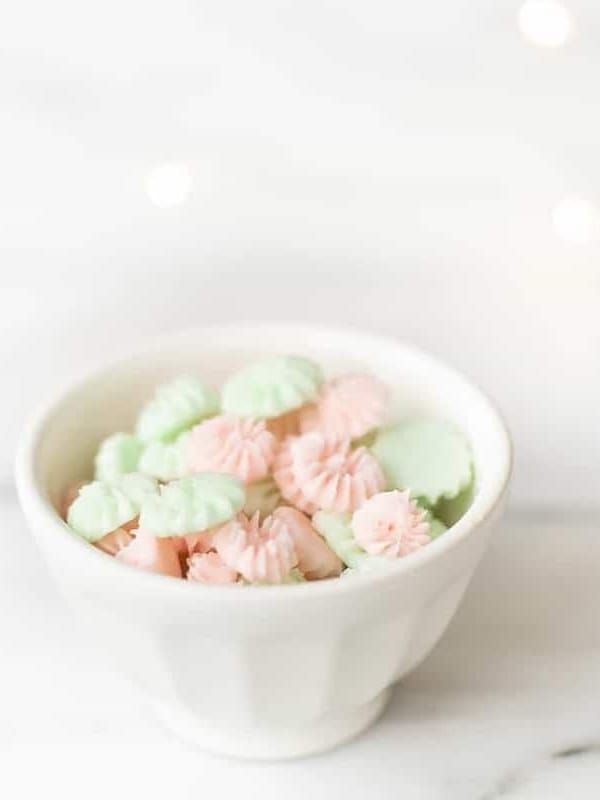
{"points": [[261, 672]]}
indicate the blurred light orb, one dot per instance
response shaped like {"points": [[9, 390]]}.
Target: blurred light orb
{"points": [[545, 23], [169, 185], [576, 220]]}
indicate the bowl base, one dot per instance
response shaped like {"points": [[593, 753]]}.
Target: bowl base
{"points": [[274, 743]]}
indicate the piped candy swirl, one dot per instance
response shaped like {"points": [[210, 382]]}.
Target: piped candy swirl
{"points": [[260, 552], [240, 447], [331, 475], [390, 524], [347, 408], [287, 480]]}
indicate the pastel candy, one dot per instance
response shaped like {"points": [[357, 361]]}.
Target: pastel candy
{"points": [[69, 496], [332, 475], [262, 552], [316, 559], [114, 541], [429, 457], [152, 555], [436, 526], [262, 496], [272, 387], [210, 568], [222, 490], [348, 407], [117, 455], [390, 524], [335, 528], [287, 480], [104, 506], [166, 461], [238, 446], [175, 407], [136, 486], [192, 504]]}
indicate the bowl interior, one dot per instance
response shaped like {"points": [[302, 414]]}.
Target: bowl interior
{"points": [[69, 431]]}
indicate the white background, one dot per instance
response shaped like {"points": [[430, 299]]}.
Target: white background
{"points": [[389, 164]]}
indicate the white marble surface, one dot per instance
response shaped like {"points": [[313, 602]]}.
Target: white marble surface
{"points": [[506, 707]]}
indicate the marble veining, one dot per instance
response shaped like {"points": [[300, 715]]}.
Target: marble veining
{"points": [[518, 779]]}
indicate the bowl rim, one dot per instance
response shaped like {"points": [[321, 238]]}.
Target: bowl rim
{"points": [[34, 502]]}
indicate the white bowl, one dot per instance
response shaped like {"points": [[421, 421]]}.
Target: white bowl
{"points": [[261, 672]]}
